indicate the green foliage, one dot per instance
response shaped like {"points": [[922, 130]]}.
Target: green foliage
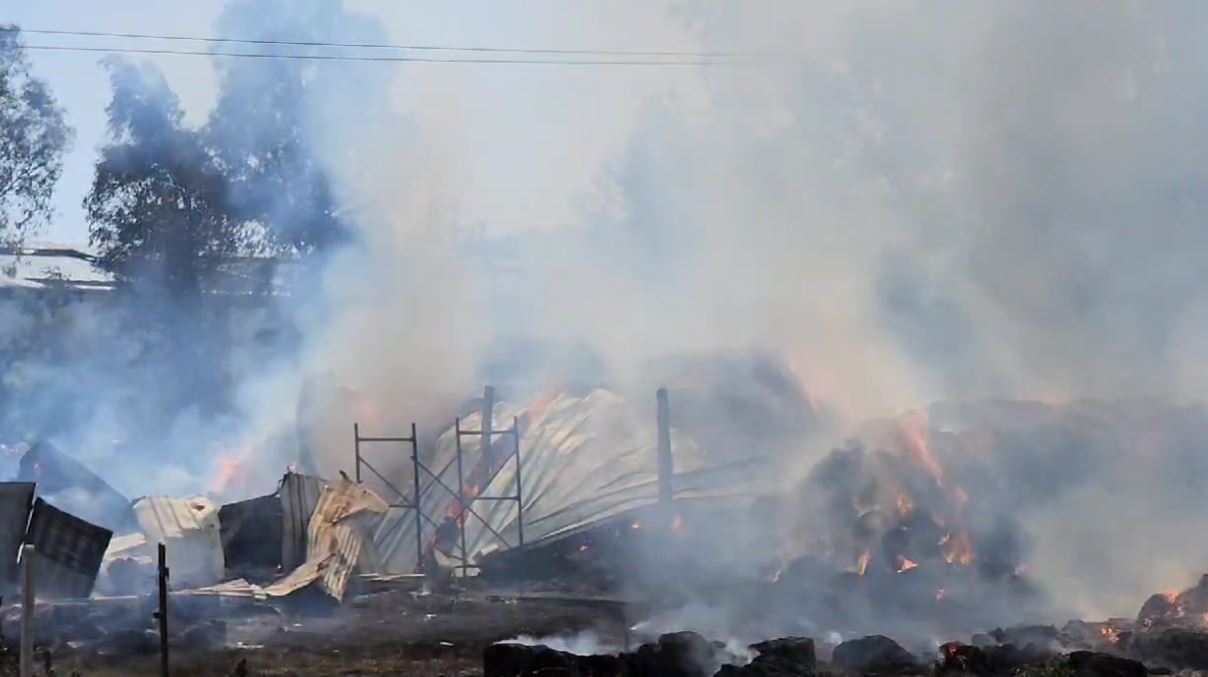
{"points": [[159, 204], [33, 138]]}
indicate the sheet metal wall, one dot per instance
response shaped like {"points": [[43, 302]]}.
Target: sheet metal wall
{"points": [[67, 552], [251, 532], [299, 496]]}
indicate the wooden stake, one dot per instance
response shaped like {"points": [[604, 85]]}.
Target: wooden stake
{"points": [[27, 611]]}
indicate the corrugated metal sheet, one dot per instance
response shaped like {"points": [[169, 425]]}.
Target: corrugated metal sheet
{"points": [[236, 588], [16, 499], [189, 530], [339, 540], [584, 459], [67, 483], [67, 552], [251, 533], [299, 496]]}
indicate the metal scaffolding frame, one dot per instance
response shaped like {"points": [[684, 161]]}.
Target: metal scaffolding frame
{"points": [[464, 502], [401, 499]]}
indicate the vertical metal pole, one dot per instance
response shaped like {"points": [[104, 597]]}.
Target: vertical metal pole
{"points": [[488, 425], [356, 445], [27, 611], [419, 522], [461, 500], [519, 485], [666, 464], [162, 614]]}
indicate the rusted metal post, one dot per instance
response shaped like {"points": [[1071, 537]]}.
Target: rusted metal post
{"points": [[666, 463], [356, 447], [27, 611], [519, 486], [162, 614], [419, 522]]}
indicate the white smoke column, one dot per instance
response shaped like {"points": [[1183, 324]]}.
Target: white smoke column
{"points": [[928, 201]]}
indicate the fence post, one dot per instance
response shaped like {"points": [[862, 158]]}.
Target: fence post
{"points": [[27, 611], [162, 614]]}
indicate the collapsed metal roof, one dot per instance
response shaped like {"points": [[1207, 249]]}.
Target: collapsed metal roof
{"points": [[584, 459]]}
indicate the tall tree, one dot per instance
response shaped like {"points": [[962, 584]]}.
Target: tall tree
{"points": [[262, 129], [159, 207], [33, 138]]}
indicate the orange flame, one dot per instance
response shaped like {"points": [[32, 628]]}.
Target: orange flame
{"points": [[915, 429], [539, 405], [957, 549], [905, 505], [229, 468], [862, 562], [905, 564], [1110, 634]]}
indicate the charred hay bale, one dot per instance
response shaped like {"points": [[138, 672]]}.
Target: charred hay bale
{"points": [[1174, 648], [519, 660], [875, 654], [785, 657], [956, 657], [1023, 635], [677, 654], [1095, 664], [792, 654], [602, 666]]}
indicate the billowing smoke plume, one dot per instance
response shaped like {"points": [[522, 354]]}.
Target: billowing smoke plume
{"points": [[910, 202]]}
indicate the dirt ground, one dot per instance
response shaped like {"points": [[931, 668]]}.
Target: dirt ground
{"points": [[386, 634]]}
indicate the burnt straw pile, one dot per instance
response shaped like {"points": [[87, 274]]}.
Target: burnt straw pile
{"points": [[1030, 651]]}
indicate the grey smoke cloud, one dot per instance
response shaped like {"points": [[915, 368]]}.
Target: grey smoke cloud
{"points": [[928, 201]]}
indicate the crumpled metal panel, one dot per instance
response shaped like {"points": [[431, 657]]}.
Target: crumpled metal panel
{"points": [[583, 460], [16, 500], [67, 552], [299, 496], [190, 532], [339, 540]]}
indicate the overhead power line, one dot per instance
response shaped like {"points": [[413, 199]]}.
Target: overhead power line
{"points": [[397, 59], [389, 46]]}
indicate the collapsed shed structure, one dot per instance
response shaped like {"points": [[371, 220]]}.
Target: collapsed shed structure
{"points": [[552, 468], [535, 474]]}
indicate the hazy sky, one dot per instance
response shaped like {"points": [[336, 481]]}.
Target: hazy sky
{"points": [[564, 122]]}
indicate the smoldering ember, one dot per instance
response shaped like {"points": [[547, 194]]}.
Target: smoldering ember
{"points": [[653, 339]]}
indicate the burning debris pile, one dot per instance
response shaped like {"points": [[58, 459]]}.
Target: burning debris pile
{"points": [[896, 531], [1168, 635]]}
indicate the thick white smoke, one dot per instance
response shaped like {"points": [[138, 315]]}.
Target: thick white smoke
{"points": [[924, 201], [915, 202]]}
